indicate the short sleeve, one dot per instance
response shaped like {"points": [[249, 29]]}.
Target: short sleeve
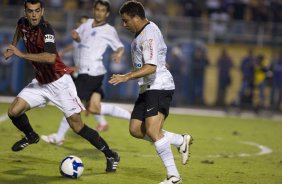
{"points": [[49, 39], [115, 42], [149, 49]]}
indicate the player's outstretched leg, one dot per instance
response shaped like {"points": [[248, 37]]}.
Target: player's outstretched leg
{"points": [[57, 138], [96, 140], [110, 110], [52, 139], [102, 123]]}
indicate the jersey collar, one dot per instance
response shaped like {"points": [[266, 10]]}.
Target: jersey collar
{"points": [[141, 29], [93, 26]]}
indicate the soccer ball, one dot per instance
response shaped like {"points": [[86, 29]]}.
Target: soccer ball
{"points": [[71, 167]]}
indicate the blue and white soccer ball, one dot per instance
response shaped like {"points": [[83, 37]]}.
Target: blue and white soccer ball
{"points": [[71, 167]]}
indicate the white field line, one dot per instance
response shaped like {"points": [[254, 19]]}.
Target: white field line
{"points": [[263, 151], [3, 118]]}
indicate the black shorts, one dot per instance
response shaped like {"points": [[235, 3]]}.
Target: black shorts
{"points": [[151, 102], [86, 85]]}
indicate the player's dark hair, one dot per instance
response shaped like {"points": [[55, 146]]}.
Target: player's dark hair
{"points": [[104, 3], [133, 8], [82, 17], [33, 2]]}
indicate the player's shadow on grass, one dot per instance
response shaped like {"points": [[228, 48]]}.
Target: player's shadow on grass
{"points": [[86, 152]]}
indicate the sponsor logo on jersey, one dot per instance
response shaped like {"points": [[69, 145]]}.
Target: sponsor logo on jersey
{"points": [[151, 49], [49, 38], [138, 65]]}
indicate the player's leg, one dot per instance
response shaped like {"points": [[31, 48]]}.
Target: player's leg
{"points": [[59, 137], [94, 107], [102, 122], [137, 129], [153, 130], [100, 109], [28, 98], [68, 101], [95, 139], [182, 142], [115, 111]]}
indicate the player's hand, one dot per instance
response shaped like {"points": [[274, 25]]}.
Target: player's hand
{"points": [[7, 54], [75, 35], [117, 78], [116, 57], [61, 53], [11, 49]]}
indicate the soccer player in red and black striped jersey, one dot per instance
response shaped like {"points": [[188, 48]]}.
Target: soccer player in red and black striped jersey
{"points": [[52, 82]]}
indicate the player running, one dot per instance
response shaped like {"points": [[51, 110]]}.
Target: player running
{"points": [[52, 83], [156, 88]]}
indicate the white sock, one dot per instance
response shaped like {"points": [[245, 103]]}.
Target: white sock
{"points": [[64, 126], [164, 151], [173, 138], [100, 119], [115, 111]]}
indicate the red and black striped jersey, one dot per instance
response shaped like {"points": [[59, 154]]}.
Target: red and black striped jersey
{"points": [[41, 39]]}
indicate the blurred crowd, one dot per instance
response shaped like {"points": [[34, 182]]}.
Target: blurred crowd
{"points": [[247, 10], [260, 83]]}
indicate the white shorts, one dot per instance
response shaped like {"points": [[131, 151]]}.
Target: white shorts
{"points": [[61, 92]]}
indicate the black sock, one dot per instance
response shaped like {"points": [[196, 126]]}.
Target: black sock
{"points": [[96, 140], [22, 123]]}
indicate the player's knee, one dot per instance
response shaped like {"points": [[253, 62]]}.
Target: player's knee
{"points": [[94, 110], [13, 112], [76, 127], [134, 132], [75, 123]]}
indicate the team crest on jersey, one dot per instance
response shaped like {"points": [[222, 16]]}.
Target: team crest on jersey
{"points": [[49, 38], [93, 33]]}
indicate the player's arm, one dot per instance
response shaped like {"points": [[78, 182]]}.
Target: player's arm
{"points": [[147, 69], [44, 57], [149, 52], [117, 55], [66, 49], [116, 45]]}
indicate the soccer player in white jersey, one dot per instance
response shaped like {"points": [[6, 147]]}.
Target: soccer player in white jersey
{"points": [[156, 88], [73, 48], [93, 38]]}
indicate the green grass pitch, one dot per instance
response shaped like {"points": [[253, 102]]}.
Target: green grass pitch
{"points": [[220, 154]]}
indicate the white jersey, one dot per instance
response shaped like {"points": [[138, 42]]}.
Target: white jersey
{"points": [[93, 43], [149, 47]]}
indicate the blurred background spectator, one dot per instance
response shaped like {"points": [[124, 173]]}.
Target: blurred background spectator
{"points": [[276, 91], [224, 64]]}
